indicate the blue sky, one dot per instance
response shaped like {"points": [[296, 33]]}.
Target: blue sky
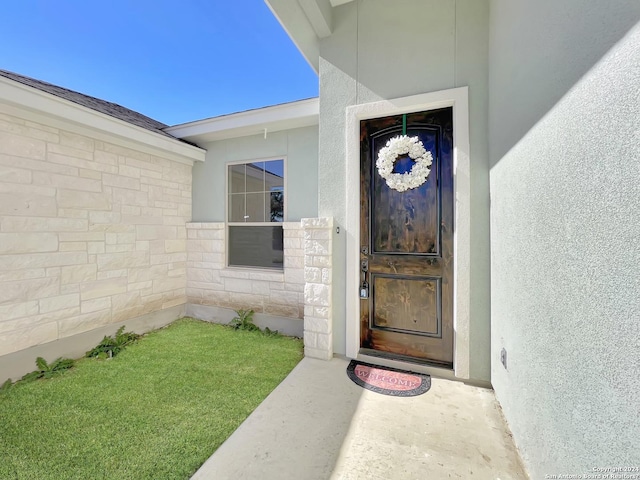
{"points": [[173, 61]]}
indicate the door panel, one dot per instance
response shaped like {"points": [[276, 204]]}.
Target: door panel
{"points": [[407, 245]]}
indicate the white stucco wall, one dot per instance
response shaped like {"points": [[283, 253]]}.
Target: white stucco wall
{"points": [[565, 230], [383, 50], [299, 145]]}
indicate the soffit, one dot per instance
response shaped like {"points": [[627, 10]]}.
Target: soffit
{"points": [[303, 113]]}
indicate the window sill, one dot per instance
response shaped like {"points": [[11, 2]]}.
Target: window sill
{"points": [[253, 273]]}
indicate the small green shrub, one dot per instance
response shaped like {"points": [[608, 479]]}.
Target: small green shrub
{"points": [[110, 346], [244, 321], [46, 370], [270, 333]]}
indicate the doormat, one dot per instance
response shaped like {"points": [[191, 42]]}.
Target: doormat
{"points": [[388, 381]]}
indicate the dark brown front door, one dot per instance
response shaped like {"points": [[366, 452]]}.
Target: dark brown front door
{"points": [[407, 244]]}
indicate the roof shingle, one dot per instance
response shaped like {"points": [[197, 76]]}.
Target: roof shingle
{"points": [[102, 106]]}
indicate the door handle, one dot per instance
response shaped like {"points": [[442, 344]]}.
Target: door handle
{"points": [[393, 264]]}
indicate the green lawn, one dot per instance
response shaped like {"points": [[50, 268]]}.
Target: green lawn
{"points": [[158, 410]]}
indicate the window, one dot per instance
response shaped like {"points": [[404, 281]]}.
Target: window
{"points": [[255, 212]]}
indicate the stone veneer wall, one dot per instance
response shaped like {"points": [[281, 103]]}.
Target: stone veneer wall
{"points": [[303, 289], [318, 312], [91, 233], [209, 282]]}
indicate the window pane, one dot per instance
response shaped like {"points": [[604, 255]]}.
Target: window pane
{"points": [[255, 177], [255, 207], [274, 177], [274, 204], [256, 246], [236, 207], [236, 178]]}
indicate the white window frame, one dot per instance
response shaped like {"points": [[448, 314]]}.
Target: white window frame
{"points": [[251, 224]]}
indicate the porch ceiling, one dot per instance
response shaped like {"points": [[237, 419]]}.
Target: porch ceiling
{"points": [[306, 22]]}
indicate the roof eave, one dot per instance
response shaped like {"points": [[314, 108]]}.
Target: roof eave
{"points": [[303, 113], [306, 22], [22, 96]]}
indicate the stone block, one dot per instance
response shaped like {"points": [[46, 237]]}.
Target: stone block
{"points": [[168, 283], [317, 247], [312, 274], [210, 234], [81, 237], [147, 273], [67, 181], [14, 175], [317, 325], [115, 261], [260, 288], [148, 285], [18, 310], [238, 285], [13, 275], [292, 243], [28, 242], [15, 340], [293, 262], [129, 153], [245, 301], [37, 260], [102, 288], [93, 248], [69, 151], [155, 232], [42, 224], [83, 200], [317, 295], [173, 246], [317, 353], [230, 273], [283, 297], [95, 305], [297, 287], [126, 196], [74, 140], [321, 261], [21, 146], [86, 173], [72, 213], [323, 222], [27, 204], [78, 274], [112, 274], [61, 302], [310, 339], [25, 290], [326, 276], [168, 258], [120, 181], [321, 312], [83, 323], [126, 300]]}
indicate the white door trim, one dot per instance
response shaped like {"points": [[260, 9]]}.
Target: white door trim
{"points": [[458, 99]]}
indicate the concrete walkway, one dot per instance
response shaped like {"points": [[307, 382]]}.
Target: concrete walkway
{"points": [[317, 424]]}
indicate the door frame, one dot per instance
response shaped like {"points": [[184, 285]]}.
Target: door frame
{"points": [[458, 98]]}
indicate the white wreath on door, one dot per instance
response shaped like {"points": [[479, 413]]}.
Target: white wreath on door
{"points": [[404, 145]]}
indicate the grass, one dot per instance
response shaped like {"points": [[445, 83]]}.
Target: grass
{"points": [[157, 410]]}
